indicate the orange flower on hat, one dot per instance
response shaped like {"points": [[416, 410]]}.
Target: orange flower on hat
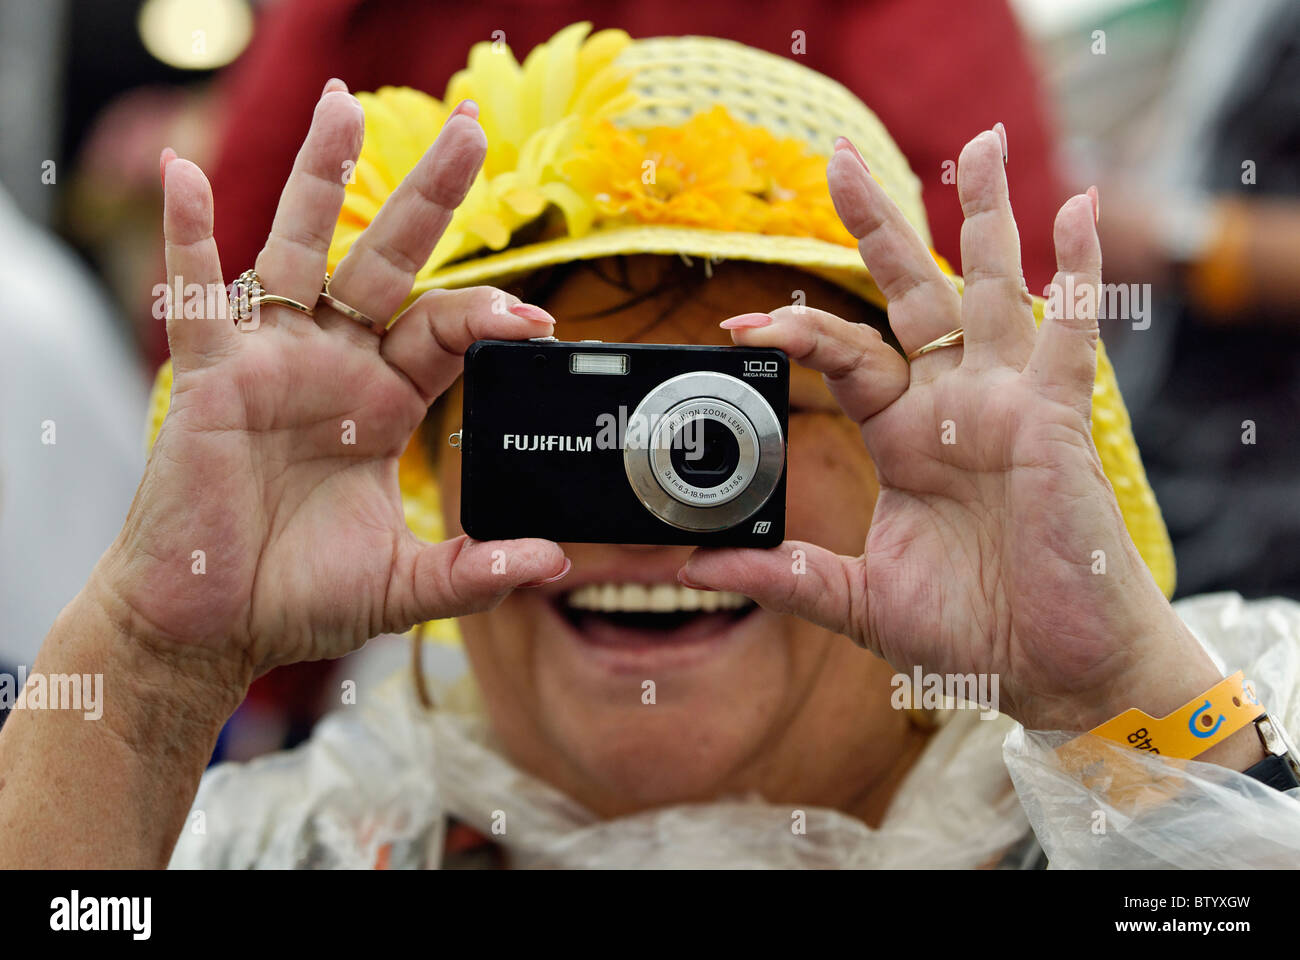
{"points": [[711, 171]]}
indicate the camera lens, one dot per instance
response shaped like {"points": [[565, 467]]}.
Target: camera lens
{"points": [[713, 451], [704, 452]]}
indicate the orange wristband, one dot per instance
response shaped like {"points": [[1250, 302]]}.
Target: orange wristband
{"points": [[1193, 728]]}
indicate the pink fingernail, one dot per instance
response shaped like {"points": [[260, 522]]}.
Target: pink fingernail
{"points": [[686, 581], [1001, 131], [468, 107], [529, 312], [568, 565], [166, 157], [746, 321], [1095, 196], [332, 84], [844, 143]]}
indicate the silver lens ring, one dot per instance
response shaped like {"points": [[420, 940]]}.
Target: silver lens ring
{"points": [[685, 396]]}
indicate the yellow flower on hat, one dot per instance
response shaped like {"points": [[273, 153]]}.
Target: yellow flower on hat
{"points": [[531, 115]]}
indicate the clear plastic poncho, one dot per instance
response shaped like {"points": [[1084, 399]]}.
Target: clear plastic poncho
{"points": [[375, 783]]}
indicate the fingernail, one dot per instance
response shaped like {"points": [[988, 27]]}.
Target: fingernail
{"points": [[166, 157], [1095, 197], [468, 107], [529, 312], [746, 321], [686, 581], [332, 84], [1001, 131], [844, 143], [568, 565]]}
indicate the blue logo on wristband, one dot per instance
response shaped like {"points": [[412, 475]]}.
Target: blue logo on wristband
{"points": [[1191, 723]]}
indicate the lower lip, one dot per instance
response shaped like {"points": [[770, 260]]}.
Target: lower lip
{"points": [[625, 650]]}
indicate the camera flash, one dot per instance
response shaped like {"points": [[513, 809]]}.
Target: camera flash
{"points": [[607, 363]]}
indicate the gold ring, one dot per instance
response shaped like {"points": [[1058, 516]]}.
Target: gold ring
{"points": [[951, 339], [352, 313], [247, 293]]}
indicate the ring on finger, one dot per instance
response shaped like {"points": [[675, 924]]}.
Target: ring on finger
{"points": [[247, 294], [951, 339], [352, 313]]}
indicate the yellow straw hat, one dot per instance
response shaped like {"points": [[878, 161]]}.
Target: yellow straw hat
{"points": [[600, 145]]}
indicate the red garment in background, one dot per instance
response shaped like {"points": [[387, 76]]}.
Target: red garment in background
{"points": [[934, 71]]}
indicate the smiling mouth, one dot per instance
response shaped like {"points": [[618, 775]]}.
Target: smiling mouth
{"points": [[622, 614]]}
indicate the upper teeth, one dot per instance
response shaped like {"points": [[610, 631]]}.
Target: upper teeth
{"points": [[659, 598]]}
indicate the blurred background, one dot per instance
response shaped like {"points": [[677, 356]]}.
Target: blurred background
{"points": [[1185, 113]]}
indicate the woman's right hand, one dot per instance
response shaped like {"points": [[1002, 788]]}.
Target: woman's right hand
{"points": [[278, 458]]}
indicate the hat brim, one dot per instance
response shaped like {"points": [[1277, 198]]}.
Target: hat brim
{"points": [[840, 265]]}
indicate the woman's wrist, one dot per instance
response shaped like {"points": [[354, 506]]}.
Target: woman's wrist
{"points": [[1168, 668], [159, 677]]}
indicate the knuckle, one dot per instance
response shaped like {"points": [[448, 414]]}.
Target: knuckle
{"points": [[980, 204], [870, 225], [486, 296], [848, 367], [906, 285], [999, 278], [295, 244], [444, 188], [430, 299], [864, 222], [395, 258]]}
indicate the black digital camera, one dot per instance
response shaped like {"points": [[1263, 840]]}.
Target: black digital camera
{"points": [[595, 442]]}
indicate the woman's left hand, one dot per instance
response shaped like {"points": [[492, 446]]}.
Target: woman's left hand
{"points": [[981, 552]]}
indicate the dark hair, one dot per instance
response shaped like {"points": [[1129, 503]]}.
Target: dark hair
{"points": [[680, 280]]}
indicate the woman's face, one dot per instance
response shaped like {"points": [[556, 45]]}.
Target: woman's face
{"points": [[743, 699]]}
